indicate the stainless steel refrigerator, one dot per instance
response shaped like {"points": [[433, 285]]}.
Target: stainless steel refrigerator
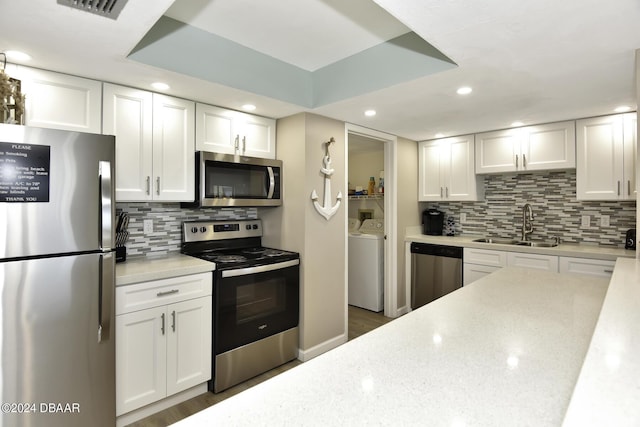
{"points": [[57, 269]]}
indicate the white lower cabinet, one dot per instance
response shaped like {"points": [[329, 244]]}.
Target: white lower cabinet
{"points": [[163, 339], [536, 261], [478, 263], [590, 267]]}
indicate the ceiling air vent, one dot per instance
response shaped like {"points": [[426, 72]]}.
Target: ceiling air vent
{"points": [[109, 8]]}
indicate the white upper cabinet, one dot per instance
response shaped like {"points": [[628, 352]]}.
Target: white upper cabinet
{"points": [[542, 147], [128, 114], [606, 153], [155, 144], [60, 101], [173, 149], [226, 131], [446, 170]]}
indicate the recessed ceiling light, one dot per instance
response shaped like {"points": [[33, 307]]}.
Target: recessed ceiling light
{"points": [[439, 135], [622, 109], [370, 113], [465, 90], [160, 86], [516, 124], [17, 56], [248, 107]]}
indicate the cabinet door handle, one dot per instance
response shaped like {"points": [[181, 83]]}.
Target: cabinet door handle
{"points": [[628, 187], [172, 291], [244, 144], [516, 160], [237, 142], [441, 192], [148, 185], [524, 160], [158, 185], [446, 192], [173, 320], [609, 271], [162, 325], [618, 188]]}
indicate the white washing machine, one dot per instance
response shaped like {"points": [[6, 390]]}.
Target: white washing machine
{"points": [[366, 265]]}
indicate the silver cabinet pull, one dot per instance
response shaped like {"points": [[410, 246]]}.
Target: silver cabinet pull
{"points": [[158, 184], [516, 160], [237, 142], [172, 291], [162, 326], [618, 188], [148, 185], [446, 192], [441, 192], [628, 187], [244, 144], [524, 160], [608, 271], [173, 320]]}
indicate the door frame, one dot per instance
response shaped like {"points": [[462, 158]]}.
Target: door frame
{"points": [[390, 217]]}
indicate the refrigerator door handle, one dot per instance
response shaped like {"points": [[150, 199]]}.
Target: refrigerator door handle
{"points": [[106, 208], [105, 295]]}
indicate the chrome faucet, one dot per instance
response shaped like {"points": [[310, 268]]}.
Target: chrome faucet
{"points": [[527, 221]]}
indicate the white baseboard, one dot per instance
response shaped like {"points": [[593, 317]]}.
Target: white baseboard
{"points": [[306, 355], [145, 411]]}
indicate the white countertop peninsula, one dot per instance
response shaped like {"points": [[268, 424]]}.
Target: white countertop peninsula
{"points": [[144, 269], [505, 350]]}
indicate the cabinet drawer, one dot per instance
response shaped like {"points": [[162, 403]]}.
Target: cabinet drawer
{"points": [[473, 272], [540, 262], [161, 292], [485, 257], [591, 267]]}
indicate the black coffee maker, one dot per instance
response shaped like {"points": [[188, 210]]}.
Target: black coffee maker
{"points": [[432, 222]]}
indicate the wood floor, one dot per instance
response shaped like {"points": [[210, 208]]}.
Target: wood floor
{"points": [[360, 322]]}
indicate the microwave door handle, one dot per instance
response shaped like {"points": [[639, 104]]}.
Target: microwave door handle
{"points": [[272, 183]]}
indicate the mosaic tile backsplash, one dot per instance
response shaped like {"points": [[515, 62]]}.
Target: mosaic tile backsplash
{"points": [[552, 195], [167, 222]]}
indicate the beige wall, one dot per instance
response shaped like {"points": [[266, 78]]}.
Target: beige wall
{"points": [[408, 210], [297, 226], [364, 165]]}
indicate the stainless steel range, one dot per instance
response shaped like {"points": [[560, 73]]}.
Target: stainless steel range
{"points": [[256, 298]]}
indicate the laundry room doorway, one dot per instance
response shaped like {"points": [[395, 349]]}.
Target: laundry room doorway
{"points": [[371, 220]]}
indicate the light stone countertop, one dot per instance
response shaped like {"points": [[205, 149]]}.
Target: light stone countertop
{"points": [[144, 269], [503, 351], [568, 250], [608, 389]]}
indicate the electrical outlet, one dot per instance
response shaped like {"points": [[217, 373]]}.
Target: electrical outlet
{"points": [[604, 221], [463, 217], [586, 221], [147, 226]]}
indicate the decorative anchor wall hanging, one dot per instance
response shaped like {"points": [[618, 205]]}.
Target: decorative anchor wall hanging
{"points": [[327, 210]]}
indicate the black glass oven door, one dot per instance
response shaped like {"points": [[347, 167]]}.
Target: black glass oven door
{"points": [[254, 303]]}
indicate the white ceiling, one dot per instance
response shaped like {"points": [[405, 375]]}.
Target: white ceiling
{"points": [[530, 61]]}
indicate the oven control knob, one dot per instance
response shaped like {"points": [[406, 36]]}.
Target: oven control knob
{"points": [[203, 229], [248, 227], [255, 226], [194, 229]]}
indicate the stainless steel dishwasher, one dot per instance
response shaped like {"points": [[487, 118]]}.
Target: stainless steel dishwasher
{"points": [[436, 270]]}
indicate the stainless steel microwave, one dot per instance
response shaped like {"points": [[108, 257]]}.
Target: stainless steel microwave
{"points": [[233, 180]]}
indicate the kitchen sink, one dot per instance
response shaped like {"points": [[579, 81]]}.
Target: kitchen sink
{"points": [[537, 244], [506, 241], [496, 240]]}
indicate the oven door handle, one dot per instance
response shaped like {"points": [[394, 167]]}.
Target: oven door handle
{"points": [[259, 269]]}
